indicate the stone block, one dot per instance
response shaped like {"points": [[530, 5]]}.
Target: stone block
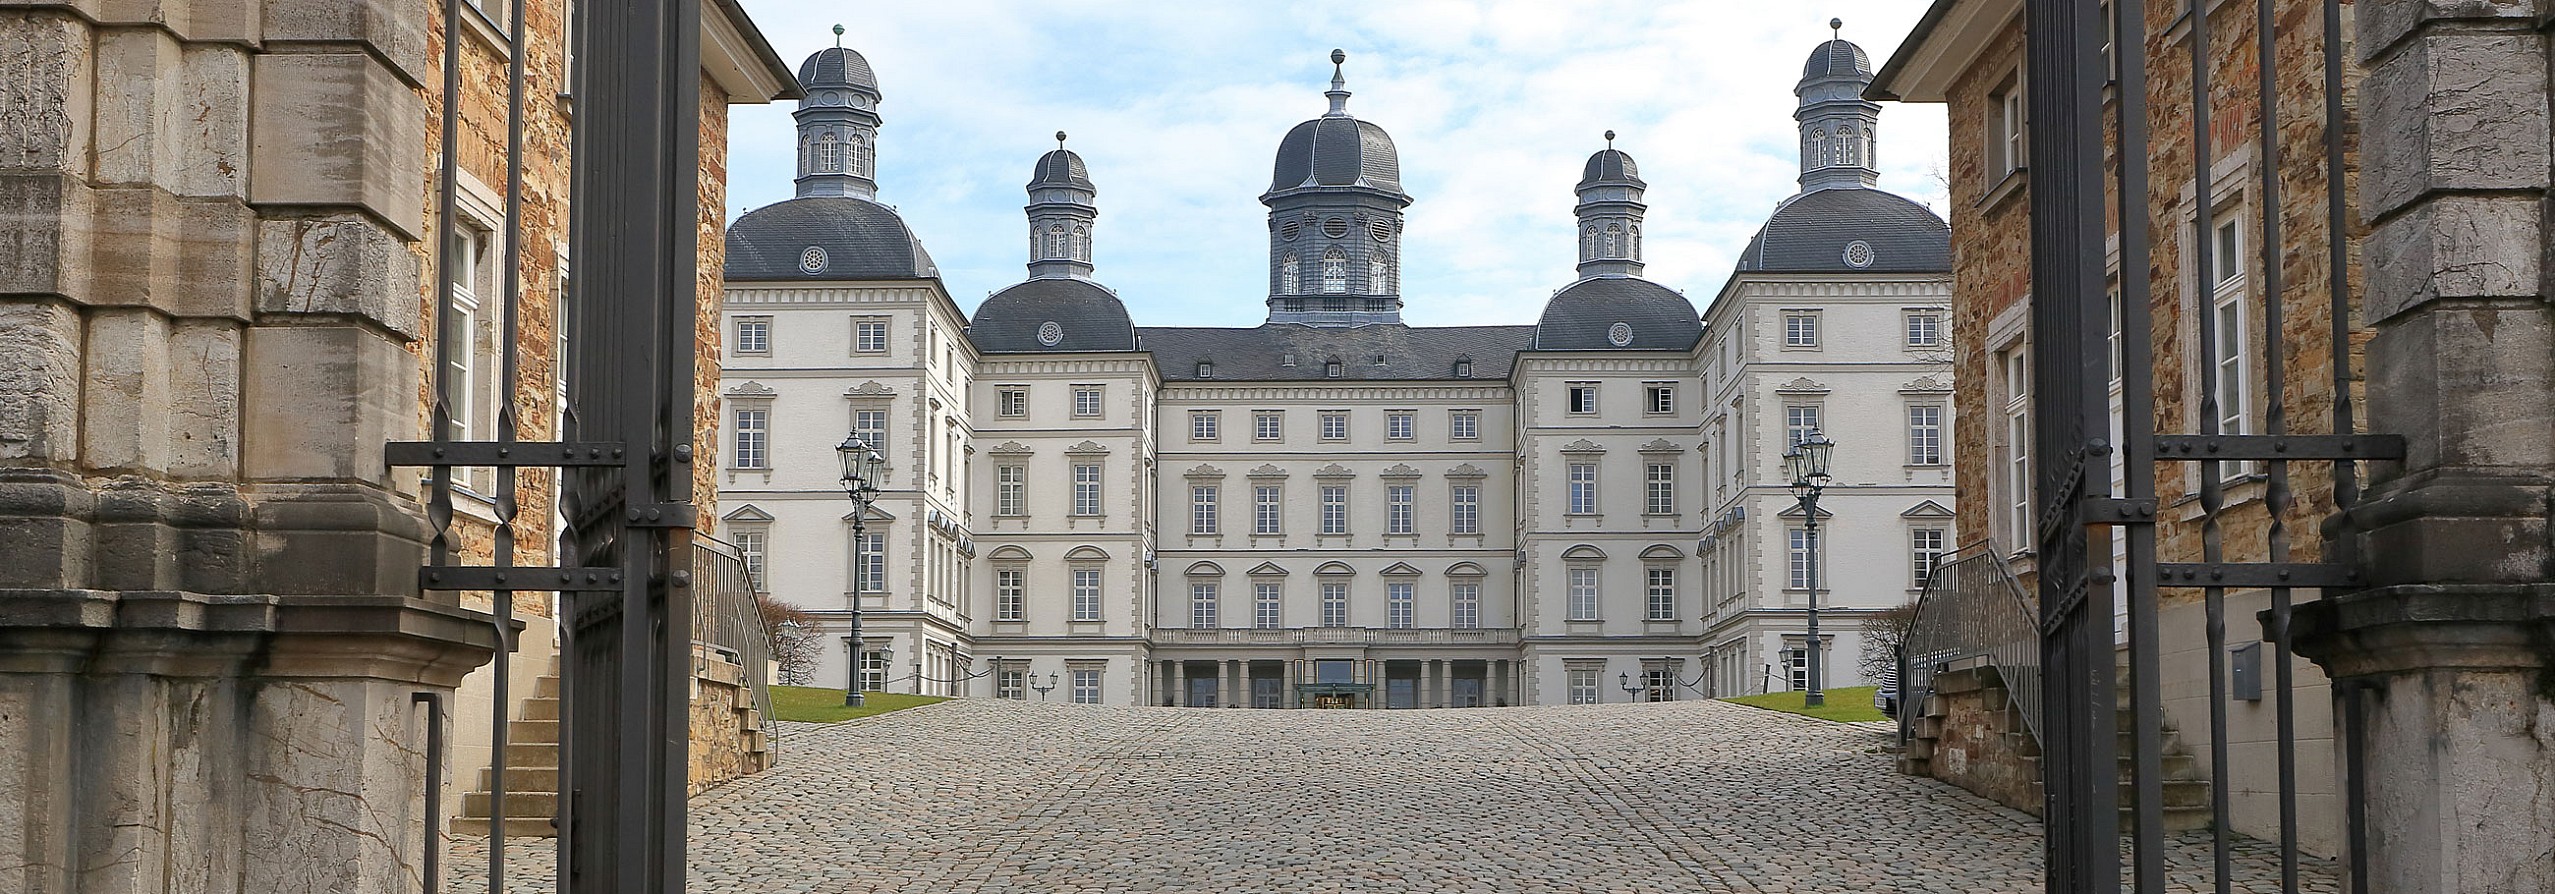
{"points": [[2453, 111], [44, 529], [186, 257], [2382, 24], [171, 115], [337, 130], [397, 32], [2454, 246], [343, 265], [320, 401], [40, 354], [233, 21], [45, 235], [2470, 387], [125, 396], [46, 81], [204, 400], [335, 539]]}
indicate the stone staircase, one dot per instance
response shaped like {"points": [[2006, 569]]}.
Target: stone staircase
{"points": [[532, 771], [1977, 740]]}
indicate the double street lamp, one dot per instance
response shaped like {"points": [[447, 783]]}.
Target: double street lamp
{"points": [[1807, 464], [862, 466]]}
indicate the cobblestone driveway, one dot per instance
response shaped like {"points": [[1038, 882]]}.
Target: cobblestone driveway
{"points": [[971, 796]]}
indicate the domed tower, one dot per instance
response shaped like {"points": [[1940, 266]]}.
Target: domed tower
{"points": [[1837, 124], [837, 124], [1061, 213], [1335, 220], [1610, 211]]}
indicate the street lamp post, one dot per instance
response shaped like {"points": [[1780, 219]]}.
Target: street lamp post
{"points": [[1043, 690], [862, 465], [1631, 688], [1807, 462]]}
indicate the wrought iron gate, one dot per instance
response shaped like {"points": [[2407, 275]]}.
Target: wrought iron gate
{"points": [[625, 558], [2079, 514]]}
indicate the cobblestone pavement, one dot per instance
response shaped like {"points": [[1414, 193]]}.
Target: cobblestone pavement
{"points": [[970, 796]]}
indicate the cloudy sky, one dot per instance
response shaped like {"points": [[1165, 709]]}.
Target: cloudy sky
{"points": [[1178, 108]]}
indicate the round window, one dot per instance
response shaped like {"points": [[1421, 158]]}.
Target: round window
{"points": [[1619, 334], [812, 261], [1858, 254], [1049, 333]]}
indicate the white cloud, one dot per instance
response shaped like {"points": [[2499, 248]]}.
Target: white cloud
{"points": [[1178, 110]]}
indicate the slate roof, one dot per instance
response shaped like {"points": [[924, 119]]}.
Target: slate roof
{"points": [[1410, 353], [862, 240], [1811, 233], [1337, 150], [1060, 167], [1091, 317], [1610, 165], [836, 67], [1581, 317], [1837, 59]]}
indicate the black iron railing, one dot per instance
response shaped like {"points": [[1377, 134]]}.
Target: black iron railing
{"points": [[1973, 611]]}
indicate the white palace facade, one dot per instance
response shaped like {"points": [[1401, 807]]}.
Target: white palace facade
{"points": [[1334, 508]]}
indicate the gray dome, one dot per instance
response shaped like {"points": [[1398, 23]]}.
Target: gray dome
{"points": [[1087, 318], [1837, 59], [1817, 231], [1060, 167], [837, 67], [824, 238], [1610, 166], [1583, 317], [1337, 150]]}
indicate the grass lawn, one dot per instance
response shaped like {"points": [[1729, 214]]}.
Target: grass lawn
{"points": [[813, 705], [1851, 703]]}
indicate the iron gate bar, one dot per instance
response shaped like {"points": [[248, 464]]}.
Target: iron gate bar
{"points": [[536, 578], [2136, 507], [2257, 575], [2277, 446], [2340, 543], [502, 454], [2275, 422], [2203, 300]]}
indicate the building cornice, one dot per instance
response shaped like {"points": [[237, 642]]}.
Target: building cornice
{"points": [[1332, 391]]}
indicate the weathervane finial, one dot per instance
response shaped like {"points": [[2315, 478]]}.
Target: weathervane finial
{"points": [[1837, 26], [1339, 83], [1610, 139], [838, 37], [1060, 139]]}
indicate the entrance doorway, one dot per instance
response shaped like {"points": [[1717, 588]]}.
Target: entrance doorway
{"points": [[1202, 691], [1335, 701]]}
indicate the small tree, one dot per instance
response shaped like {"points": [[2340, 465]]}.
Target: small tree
{"points": [[791, 633], [1883, 634]]}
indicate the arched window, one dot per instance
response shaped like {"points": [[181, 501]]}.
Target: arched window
{"points": [[1871, 151], [1288, 279], [1334, 271], [1081, 243], [1056, 242], [1379, 273], [1588, 243], [1635, 246], [857, 154], [1845, 144], [1818, 149], [829, 154], [1614, 237]]}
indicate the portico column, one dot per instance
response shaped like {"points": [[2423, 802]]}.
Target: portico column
{"points": [[1179, 683], [1437, 683], [1286, 683], [1232, 684]]}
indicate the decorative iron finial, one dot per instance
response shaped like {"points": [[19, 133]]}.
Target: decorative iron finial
{"points": [[1610, 139], [1339, 83], [838, 37], [1838, 27], [1060, 139]]}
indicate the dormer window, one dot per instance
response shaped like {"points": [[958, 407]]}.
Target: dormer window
{"points": [[829, 154], [1206, 369], [1331, 368], [1463, 367], [1334, 271]]}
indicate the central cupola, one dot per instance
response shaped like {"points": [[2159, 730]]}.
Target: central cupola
{"points": [[1335, 219]]}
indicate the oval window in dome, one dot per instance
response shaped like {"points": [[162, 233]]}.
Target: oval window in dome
{"points": [[1335, 227], [1289, 230], [1858, 254], [1382, 230], [812, 261]]}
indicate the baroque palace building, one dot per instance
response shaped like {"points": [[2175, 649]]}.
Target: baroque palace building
{"points": [[1335, 508]]}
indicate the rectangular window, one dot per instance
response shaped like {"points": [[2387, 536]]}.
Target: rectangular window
{"points": [[2232, 355], [1797, 559], [1010, 594], [1398, 600], [874, 564], [1799, 423], [873, 671], [1012, 402], [2017, 373], [1011, 684], [1334, 604], [1086, 594], [1925, 435], [869, 336], [1582, 682], [1583, 489], [1659, 683], [1924, 329], [1266, 606], [1011, 489], [1268, 425], [1659, 483], [1924, 552], [1797, 660], [1659, 398], [1583, 397], [1397, 499], [1202, 425], [1334, 425], [1202, 605], [1086, 686], [1334, 509], [1467, 500], [1202, 509], [750, 545], [1464, 425], [1399, 425], [1583, 594], [753, 437], [1466, 599], [1086, 489], [1800, 329], [1267, 510], [754, 335], [1663, 594], [1086, 401]]}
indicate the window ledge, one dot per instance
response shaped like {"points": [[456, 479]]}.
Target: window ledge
{"points": [[2014, 181], [487, 32]]}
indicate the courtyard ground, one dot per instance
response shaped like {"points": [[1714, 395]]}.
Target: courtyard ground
{"points": [[986, 796]]}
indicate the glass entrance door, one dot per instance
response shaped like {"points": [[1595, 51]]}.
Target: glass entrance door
{"points": [[1202, 692]]}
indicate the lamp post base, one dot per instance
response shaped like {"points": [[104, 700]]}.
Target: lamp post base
{"points": [[1814, 699], [851, 699]]}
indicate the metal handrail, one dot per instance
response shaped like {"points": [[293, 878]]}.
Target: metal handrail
{"points": [[1973, 608], [726, 618]]}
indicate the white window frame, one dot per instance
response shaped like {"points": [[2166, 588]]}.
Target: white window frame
{"points": [[1268, 425], [1464, 604], [1203, 611], [752, 545], [1086, 685], [753, 448], [1582, 478], [754, 335], [1334, 595], [1580, 398], [1659, 488], [1012, 401], [1268, 605], [1921, 329], [2015, 466], [1463, 425], [1334, 509], [1658, 398], [1011, 490], [1086, 594], [873, 564], [1012, 684], [1800, 421], [1800, 329], [1925, 547], [1398, 512], [1796, 558], [1205, 517], [2008, 126], [1401, 425], [1205, 425], [1334, 425], [1086, 401], [1268, 509], [869, 335], [1400, 604], [1086, 490], [1581, 586], [2233, 317], [1335, 272], [1925, 434], [1290, 276], [1660, 590], [1465, 502], [1581, 685], [1011, 590]]}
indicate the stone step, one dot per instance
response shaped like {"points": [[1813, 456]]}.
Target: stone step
{"points": [[541, 707], [523, 779], [533, 732], [516, 827], [518, 804], [532, 754], [546, 686]]}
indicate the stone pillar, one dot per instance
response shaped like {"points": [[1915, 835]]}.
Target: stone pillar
{"points": [[2445, 659], [1232, 678], [1179, 671], [1495, 689], [1436, 683], [1290, 673]]}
